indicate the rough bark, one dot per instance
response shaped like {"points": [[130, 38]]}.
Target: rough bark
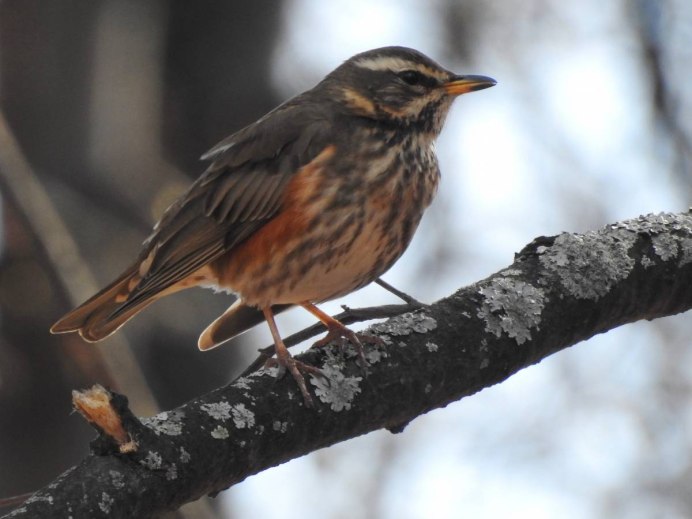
{"points": [[559, 291]]}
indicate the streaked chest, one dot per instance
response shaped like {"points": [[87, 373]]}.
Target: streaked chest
{"points": [[357, 212]]}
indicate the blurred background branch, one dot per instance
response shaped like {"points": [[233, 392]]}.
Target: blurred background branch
{"points": [[62, 259]]}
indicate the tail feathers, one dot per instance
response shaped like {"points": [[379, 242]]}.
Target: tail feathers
{"points": [[95, 319], [238, 319]]}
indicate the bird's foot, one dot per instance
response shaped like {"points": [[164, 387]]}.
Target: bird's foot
{"points": [[298, 370], [342, 335]]}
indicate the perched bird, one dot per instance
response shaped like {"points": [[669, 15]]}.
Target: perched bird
{"points": [[314, 200]]}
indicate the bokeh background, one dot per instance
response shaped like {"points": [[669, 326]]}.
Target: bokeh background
{"points": [[113, 101]]}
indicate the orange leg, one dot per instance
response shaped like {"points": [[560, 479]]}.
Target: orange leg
{"points": [[286, 361], [337, 331]]}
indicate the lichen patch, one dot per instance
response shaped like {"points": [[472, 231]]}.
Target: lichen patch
{"points": [[588, 265], [117, 479], [219, 433], [217, 410], [652, 224], [243, 418], [152, 461], [105, 503], [665, 246], [184, 455], [169, 423], [511, 306], [406, 324], [686, 247], [647, 262], [336, 389], [279, 426]]}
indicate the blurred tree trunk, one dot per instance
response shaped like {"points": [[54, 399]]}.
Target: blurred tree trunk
{"points": [[109, 100]]}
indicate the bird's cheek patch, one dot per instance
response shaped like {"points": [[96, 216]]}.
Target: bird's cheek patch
{"points": [[358, 102]]}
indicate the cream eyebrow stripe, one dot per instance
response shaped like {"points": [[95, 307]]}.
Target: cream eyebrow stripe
{"points": [[396, 64]]}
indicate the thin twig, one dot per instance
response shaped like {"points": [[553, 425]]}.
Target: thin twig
{"points": [[348, 316], [6, 502], [402, 295]]}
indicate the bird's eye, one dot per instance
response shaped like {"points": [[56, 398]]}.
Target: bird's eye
{"points": [[412, 77]]}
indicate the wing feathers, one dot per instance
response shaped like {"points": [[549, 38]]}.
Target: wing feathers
{"points": [[241, 190]]}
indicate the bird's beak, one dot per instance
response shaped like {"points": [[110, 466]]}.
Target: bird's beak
{"points": [[458, 85]]}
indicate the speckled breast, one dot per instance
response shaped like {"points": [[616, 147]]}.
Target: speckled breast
{"points": [[341, 226]]}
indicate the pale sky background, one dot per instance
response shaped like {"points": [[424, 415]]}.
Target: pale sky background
{"points": [[552, 440]]}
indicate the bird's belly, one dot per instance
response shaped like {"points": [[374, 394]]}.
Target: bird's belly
{"points": [[339, 265], [336, 252]]}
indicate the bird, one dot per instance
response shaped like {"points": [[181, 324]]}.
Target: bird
{"points": [[314, 200]]}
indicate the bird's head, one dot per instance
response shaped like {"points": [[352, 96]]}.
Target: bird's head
{"points": [[397, 85]]}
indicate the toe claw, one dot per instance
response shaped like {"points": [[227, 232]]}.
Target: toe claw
{"points": [[300, 380], [298, 371], [343, 336]]}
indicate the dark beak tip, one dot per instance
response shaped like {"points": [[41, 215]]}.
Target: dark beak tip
{"points": [[485, 81], [482, 86], [469, 83]]}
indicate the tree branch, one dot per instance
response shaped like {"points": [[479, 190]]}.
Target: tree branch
{"points": [[559, 291]]}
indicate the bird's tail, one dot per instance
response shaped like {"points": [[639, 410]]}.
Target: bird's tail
{"points": [[105, 312], [238, 319]]}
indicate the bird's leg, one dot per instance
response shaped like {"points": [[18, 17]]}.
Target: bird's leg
{"points": [[337, 331], [286, 361]]}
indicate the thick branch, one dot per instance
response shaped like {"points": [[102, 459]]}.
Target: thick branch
{"points": [[558, 291]]}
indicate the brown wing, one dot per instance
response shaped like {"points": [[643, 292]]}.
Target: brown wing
{"points": [[240, 191]]}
